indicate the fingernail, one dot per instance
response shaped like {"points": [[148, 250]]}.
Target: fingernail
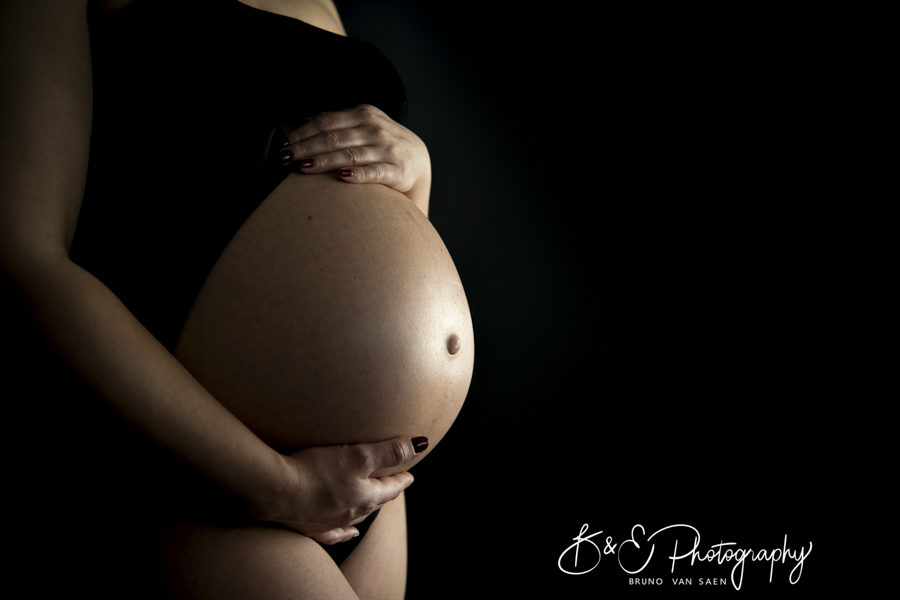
{"points": [[286, 157], [286, 142], [346, 173], [419, 444], [308, 163]]}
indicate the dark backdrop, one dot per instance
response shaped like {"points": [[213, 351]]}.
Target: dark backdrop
{"points": [[634, 205]]}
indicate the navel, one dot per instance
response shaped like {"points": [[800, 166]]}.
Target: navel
{"points": [[453, 344]]}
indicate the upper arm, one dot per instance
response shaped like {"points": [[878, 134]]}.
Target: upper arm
{"points": [[45, 126]]}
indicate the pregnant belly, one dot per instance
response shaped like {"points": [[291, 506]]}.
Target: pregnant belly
{"points": [[334, 316]]}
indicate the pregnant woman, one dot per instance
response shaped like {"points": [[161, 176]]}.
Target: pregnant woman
{"points": [[213, 213]]}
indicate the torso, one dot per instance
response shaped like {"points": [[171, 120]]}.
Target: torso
{"points": [[329, 317], [332, 317]]}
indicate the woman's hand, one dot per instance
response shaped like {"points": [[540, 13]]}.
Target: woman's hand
{"points": [[363, 145], [331, 488]]}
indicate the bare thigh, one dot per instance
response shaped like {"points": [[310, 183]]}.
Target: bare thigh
{"points": [[210, 562]]}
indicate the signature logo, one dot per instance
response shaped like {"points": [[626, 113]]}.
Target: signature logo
{"points": [[634, 554]]}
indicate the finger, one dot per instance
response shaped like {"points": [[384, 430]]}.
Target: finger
{"points": [[393, 452], [384, 173], [293, 135], [323, 144], [336, 536], [385, 489], [342, 147], [322, 123], [351, 156], [341, 119]]}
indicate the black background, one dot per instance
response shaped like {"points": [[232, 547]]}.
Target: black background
{"points": [[638, 209]]}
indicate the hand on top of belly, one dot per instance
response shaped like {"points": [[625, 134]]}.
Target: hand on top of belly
{"points": [[331, 488], [363, 145]]}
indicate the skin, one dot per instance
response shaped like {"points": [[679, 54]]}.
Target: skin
{"points": [[364, 146], [330, 294], [45, 78], [222, 563]]}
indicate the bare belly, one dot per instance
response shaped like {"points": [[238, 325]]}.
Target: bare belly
{"points": [[334, 316]]}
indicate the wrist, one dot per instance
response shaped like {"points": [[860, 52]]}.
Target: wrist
{"points": [[269, 500]]}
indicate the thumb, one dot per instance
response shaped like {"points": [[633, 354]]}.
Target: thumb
{"points": [[395, 452]]}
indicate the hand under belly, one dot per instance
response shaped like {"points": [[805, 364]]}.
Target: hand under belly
{"points": [[334, 316]]}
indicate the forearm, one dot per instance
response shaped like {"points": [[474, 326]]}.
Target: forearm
{"points": [[46, 97], [127, 367]]}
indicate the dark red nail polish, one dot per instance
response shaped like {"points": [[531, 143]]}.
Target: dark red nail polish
{"points": [[346, 173], [286, 142], [308, 163], [420, 444], [286, 157]]}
